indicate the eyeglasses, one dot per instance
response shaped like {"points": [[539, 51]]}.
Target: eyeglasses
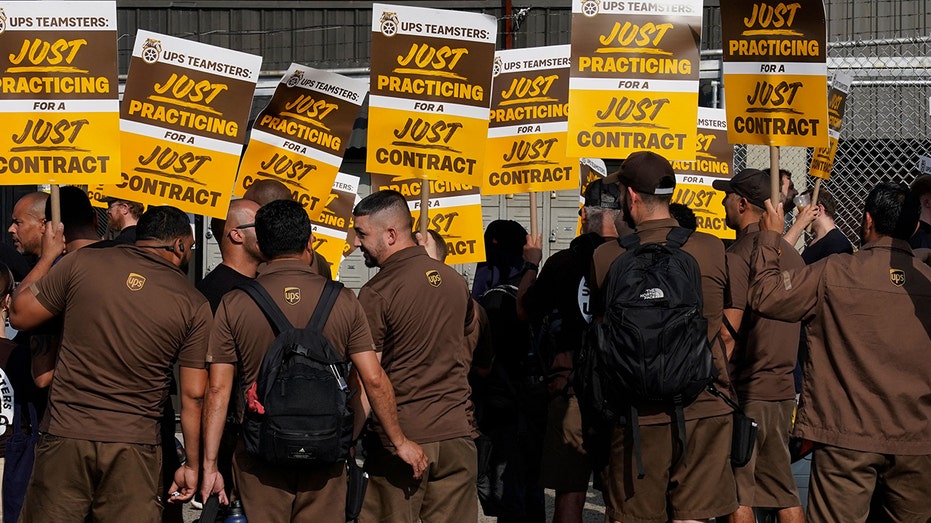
{"points": [[245, 226]]}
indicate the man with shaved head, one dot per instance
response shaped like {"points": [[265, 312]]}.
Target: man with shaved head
{"points": [[420, 313], [241, 257], [268, 190], [28, 223]]}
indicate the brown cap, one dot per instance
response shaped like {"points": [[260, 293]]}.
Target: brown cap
{"points": [[752, 184], [648, 173], [921, 185]]}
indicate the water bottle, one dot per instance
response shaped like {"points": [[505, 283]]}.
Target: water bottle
{"points": [[236, 514]]}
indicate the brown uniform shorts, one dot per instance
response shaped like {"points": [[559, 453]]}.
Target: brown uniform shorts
{"points": [[74, 478], [447, 491], [565, 466], [767, 480], [271, 494], [843, 482], [699, 487]]}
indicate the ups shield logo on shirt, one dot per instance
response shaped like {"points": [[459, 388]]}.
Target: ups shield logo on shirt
{"points": [[897, 277], [434, 278], [292, 295], [135, 281]]}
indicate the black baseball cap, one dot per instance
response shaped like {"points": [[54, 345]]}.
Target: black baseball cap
{"points": [[601, 194]]}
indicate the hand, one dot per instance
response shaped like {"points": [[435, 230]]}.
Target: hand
{"points": [[429, 243], [184, 485], [773, 218], [533, 249], [413, 455], [53, 241], [806, 215], [213, 484]]}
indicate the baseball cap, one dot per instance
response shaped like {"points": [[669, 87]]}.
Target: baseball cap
{"points": [[648, 173], [921, 185], [601, 194], [752, 184]]}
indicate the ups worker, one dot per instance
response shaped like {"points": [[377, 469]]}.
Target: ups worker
{"points": [[420, 311], [242, 335], [865, 396], [129, 313], [702, 486]]}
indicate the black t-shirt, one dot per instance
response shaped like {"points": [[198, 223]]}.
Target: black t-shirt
{"points": [[218, 282], [834, 242], [922, 237]]}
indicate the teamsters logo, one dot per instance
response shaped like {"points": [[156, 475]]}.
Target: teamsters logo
{"points": [[389, 23], [589, 8], [151, 50], [434, 278], [2, 20], [499, 64], [897, 277], [135, 281], [292, 295], [295, 78]]}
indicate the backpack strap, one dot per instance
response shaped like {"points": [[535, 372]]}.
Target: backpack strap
{"points": [[677, 237], [265, 302], [322, 311], [631, 241]]}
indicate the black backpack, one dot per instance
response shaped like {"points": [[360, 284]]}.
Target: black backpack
{"points": [[651, 348], [302, 387]]}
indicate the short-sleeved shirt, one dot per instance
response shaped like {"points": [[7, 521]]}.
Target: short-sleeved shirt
{"points": [[763, 360], [220, 281], [420, 311], [708, 251], [242, 334], [834, 242], [128, 316]]}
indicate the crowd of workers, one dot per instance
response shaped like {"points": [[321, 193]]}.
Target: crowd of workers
{"points": [[466, 399]]}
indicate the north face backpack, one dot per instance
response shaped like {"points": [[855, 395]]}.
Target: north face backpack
{"points": [[652, 344], [303, 417]]}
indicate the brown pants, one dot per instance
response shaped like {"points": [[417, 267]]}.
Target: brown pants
{"points": [[843, 482], [74, 478], [446, 492], [273, 494]]}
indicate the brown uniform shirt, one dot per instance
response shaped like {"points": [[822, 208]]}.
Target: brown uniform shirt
{"points": [[867, 378], [420, 311], [708, 251], [764, 359], [242, 333], [128, 315]]}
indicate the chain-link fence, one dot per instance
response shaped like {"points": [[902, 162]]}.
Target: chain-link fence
{"points": [[885, 127]]}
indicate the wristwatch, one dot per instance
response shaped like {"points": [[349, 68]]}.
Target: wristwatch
{"points": [[530, 267]]}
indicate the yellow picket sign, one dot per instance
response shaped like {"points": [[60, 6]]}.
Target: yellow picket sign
{"points": [[429, 102], [60, 93], [183, 122]]}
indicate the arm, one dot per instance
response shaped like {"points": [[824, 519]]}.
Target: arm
{"points": [[381, 395], [734, 317], [361, 408], [220, 383], [533, 254], [781, 295], [805, 217], [193, 382]]}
